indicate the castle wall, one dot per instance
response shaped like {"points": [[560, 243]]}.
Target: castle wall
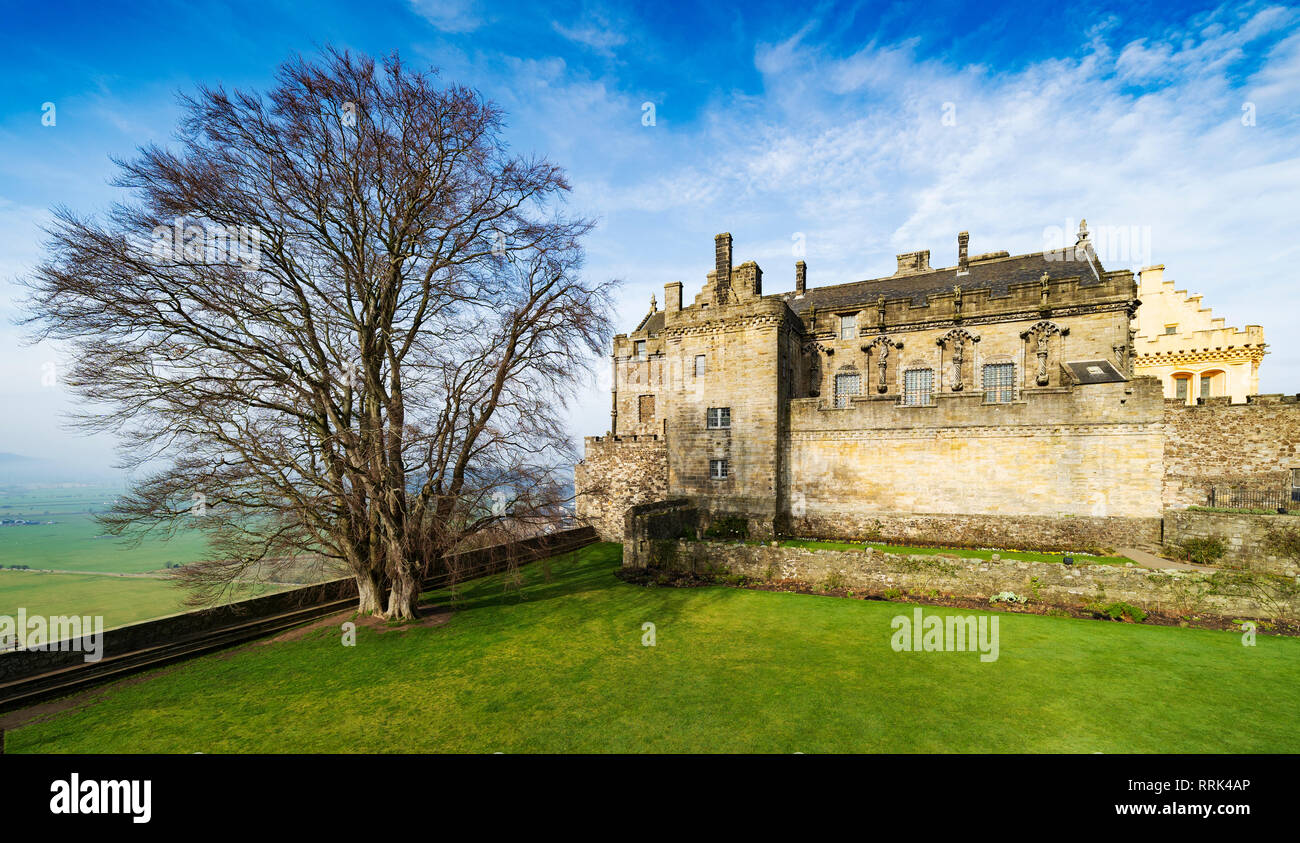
{"points": [[1252, 446], [617, 473], [1091, 453]]}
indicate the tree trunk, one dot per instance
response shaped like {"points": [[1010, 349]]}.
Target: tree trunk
{"points": [[370, 594], [404, 594]]}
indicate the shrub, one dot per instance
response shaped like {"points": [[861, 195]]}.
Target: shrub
{"points": [[892, 594], [1203, 551], [1006, 597], [728, 527], [1282, 541], [834, 582], [1123, 611]]}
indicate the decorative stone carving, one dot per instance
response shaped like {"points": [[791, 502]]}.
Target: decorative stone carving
{"points": [[880, 346], [956, 340], [1042, 332]]}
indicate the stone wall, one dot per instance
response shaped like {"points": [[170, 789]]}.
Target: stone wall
{"points": [[874, 572], [1059, 468], [1006, 531], [1242, 534], [617, 473], [1254, 446], [649, 525]]}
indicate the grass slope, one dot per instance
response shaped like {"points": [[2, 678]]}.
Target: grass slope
{"points": [[564, 670]]}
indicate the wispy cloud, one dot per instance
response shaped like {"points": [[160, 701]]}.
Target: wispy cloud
{"points": [[453, 16]]}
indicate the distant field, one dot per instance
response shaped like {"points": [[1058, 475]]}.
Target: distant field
{"points": [[74, 541], [120, 600]]}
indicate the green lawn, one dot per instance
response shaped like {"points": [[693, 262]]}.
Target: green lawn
{"points": [[564, 670]]}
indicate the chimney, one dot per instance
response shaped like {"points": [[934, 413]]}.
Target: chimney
{"points": [[963, 253], [673, 297], [800, 277], [722, 255], [912, 263]]}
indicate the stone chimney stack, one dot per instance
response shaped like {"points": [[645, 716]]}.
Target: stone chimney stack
{"points": [[673, 297], [800, 277], [722, 255], [963, 253], [911, 263]]}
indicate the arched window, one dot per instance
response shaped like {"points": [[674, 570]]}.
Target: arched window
{"points": [[1183, 386]]}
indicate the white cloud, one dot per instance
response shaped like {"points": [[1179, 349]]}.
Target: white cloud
{"points": [[449, 15]]}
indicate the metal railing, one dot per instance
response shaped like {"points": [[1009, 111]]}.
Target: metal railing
{"points": [[1224, 497]]}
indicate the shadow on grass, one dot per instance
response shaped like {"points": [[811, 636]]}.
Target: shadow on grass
{"points": [[588, 571]]}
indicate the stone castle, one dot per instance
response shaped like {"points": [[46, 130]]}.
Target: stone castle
{"points": [[997, 401]]}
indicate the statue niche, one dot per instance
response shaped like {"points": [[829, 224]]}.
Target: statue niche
{"points": [[1039, 338], [955, 342], [879, 349]]}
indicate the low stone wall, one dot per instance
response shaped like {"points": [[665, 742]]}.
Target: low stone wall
{"points": [[1225, 594], [1242, 534], [648, 525], [1021, 532]]}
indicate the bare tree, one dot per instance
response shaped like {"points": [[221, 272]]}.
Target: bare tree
{"points": [[338, 319]]}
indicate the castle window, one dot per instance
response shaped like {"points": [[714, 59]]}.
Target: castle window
{"points": [[701, 364], [848, 327], [918, 386], [719, 418], [718, 469], [1206, 380], [639, 345], [1000, 383], [1180, 388], [646, 408], [846, 385], [1171, 329]]}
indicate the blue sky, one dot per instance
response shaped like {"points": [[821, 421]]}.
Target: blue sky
{"points": [[839, 133]]}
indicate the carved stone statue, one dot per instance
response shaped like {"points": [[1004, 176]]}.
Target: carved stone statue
{"points": [[956, 303], [1043, 290], [880, 312], [958, 355], [1041, 379]]}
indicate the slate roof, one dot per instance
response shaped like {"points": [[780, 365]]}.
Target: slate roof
{"points": [[653, 323], [995, 275]]}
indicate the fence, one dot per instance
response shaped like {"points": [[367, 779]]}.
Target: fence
{"points": [[1276, 500]]}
